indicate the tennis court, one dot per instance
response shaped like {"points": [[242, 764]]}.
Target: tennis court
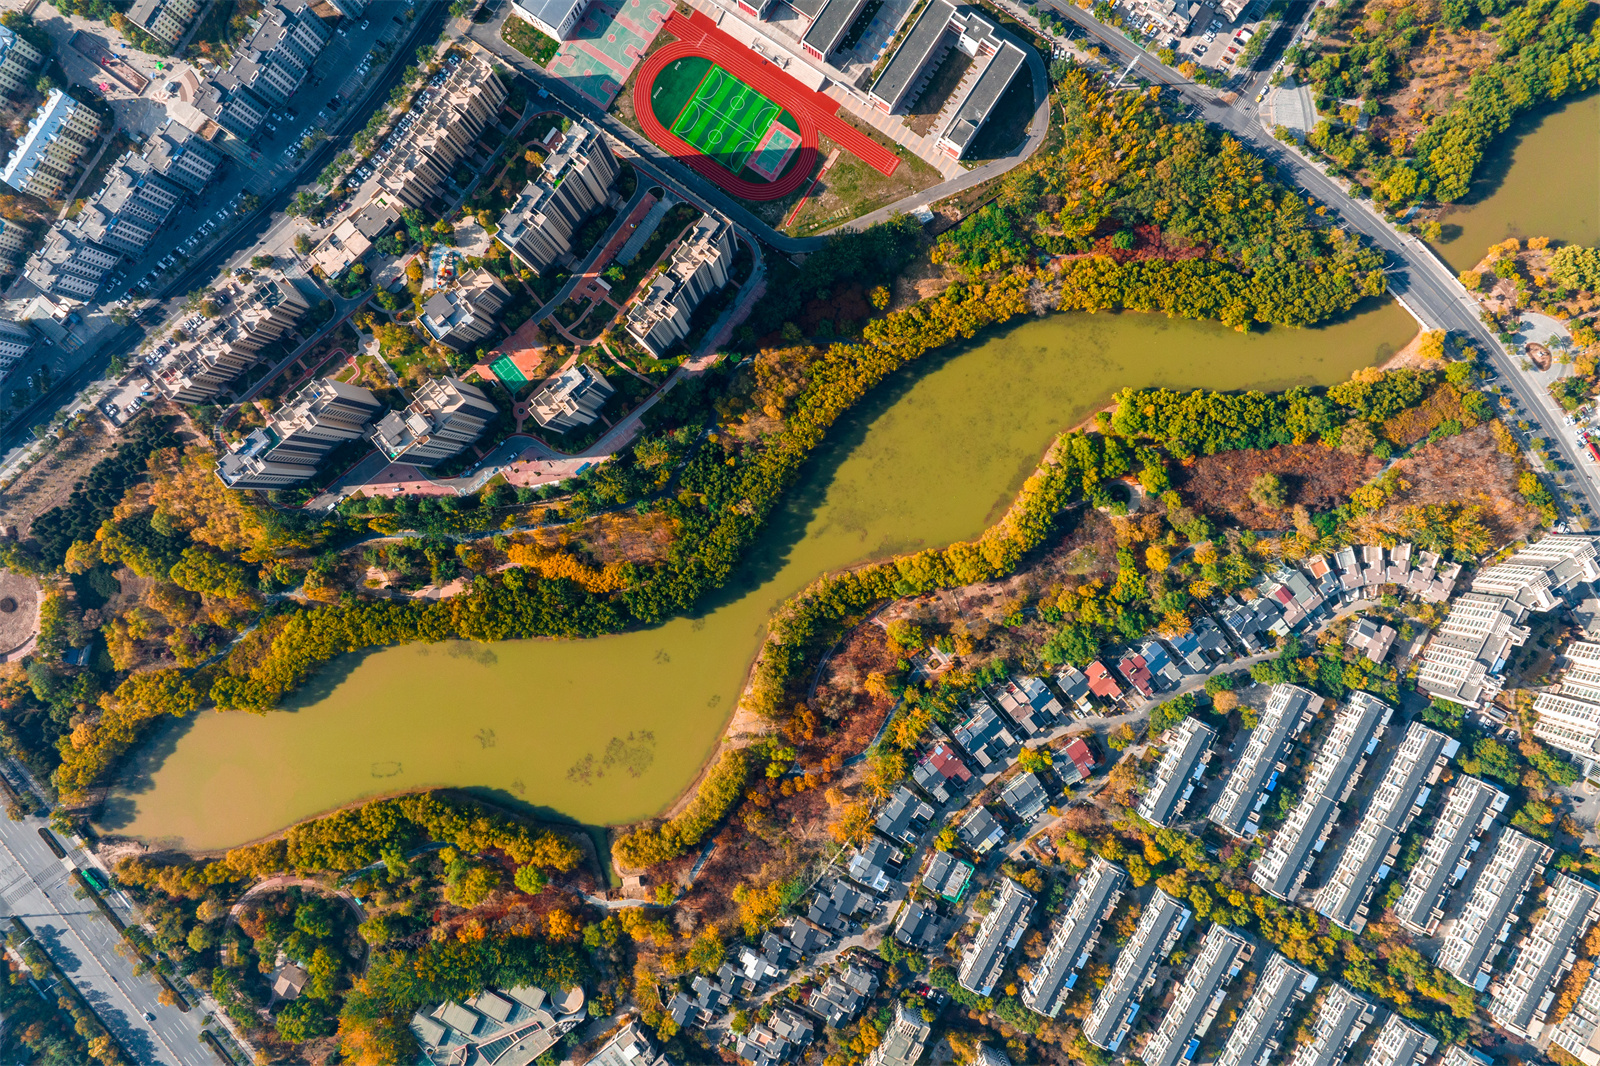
{"points": [[725, 119]]}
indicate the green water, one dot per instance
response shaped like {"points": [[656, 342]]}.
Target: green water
{"points": [[612, 730], [1542, 179]]}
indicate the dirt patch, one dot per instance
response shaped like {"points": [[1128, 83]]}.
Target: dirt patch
{"points": [[49, 481], [19, 624], [620, 537], [1317, 477], [1467, 468]]}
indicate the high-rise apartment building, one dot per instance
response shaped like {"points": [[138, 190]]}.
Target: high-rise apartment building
{"points": [[576, 180], [167, 20], [998, 935], [1256, 1033], [299, 435], [182, 157], [69, 263], [445, 416], [1470, 808], [228, 345], [571, 399], [16, 340], [1223, 954], [127, 212], [442, 131], [464, 313], [19, 63], [57, 139], [14, 242], [1056, 973], [699, 267]]}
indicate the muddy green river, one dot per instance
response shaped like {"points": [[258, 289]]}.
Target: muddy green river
{"points": [[1540, 180], [611, 730]]}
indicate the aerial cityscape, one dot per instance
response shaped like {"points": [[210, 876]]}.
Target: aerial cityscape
{"points": [[800, 532]]}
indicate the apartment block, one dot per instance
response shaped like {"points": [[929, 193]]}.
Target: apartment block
{"points": [[1578, 1034], [1341, 1019], [576, 180], [16, 340], [182, 157], [1222, 956], [1256, 1032], [1160, 928], [1463, 661], [1073, 938], [1539, 576], [446, 121], [127, 212], [1469, 808], [69, 263], [277, 58], [231, 104], [1469, 949], [463, 314], [444, 417], [1337, 767], [58, 138], [1002, 928], [300, 435], [1182, 766], [1523, 997], [19, 63], [904, 1041], [1369, 855], [1569, 718], [15, 240], [166, 20], [700, 266], [1255, 773], [226, 346], [1399, 1043], [571, 399]]}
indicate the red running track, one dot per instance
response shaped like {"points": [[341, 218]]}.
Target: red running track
{"points": [[697, 35]]}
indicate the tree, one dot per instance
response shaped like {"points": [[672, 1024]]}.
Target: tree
{"points": [[531, 879], [1269, 492], [1121, 737], [1034, 760], [262, 262], [302, 244]]}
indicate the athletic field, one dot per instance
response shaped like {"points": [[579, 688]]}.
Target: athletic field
{"points": [[724, 119]]}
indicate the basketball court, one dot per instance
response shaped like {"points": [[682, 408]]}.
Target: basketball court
{"points": [[608, 42]]}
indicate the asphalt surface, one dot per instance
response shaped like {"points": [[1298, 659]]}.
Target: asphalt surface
{"points": [[38, 888]]}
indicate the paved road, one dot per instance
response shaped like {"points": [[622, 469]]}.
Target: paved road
{"points": [[1417, 277], [38, 888]]}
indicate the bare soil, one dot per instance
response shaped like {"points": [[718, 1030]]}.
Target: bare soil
{"points": [[49, 481], [1467, 468], [1317, 477]]}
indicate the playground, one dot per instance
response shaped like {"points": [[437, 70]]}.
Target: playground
{"points": [[736, 118]]}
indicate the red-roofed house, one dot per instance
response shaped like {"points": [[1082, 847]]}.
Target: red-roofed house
{"points": [[1101, 683], [1082, 760], [1134, 669]]}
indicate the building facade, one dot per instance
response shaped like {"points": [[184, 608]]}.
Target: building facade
{"points": [[166, 20], [299, 435], [19, 63], [464, 314], [57, 139], [700, 266], [575, 181], [444, 417]]}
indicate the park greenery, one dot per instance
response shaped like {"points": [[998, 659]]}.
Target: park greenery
{"points": [[1543, 51]]}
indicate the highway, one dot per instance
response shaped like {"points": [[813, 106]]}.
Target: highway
{"points": [[1417, 277], [38, 888]]}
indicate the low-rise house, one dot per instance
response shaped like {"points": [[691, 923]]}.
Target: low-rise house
{"points": [[806, 937], [838, 904], [1400, 1043], [630, 1047], [683, 1010], [1223, 954], [782, 1038], [1256, 1032], [1341, 1019], [1001, 930], [875, 866], [1432, 579], [947, 876], [1160, 928], [1101, 683], [522, 1022], [905, 1040], [1249, 622], [354, 237], [1473, 942], [710, 996], [1297, 597], [1164, 673], [1073, 761], [1370, 638], [757, 968], [1370, 853], [1179, 773], [843, 994], [1137, 673], [1523, 997], [1469, 809], [1028, 703], [1201, 649], [979, 831], [1075, 687], [986, 737], [904, 818], [1255, 773], [941, 773], [920, 926], [1578, 1034], [1073, 938], [1357, 728], [1026, 797]]}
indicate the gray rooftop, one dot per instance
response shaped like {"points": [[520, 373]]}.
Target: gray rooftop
{"points": [[1002, 928], [1474, 939], [1201, 994], [1288, 708], [978, 105], [1160, 926], [1468, 808], [1255, 1033], [1180, 768], [831, 24], [1073, 938], [913, 53], [1342, 1018]]}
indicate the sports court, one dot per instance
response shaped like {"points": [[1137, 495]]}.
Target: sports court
{"points": [[607, 43], [725, 119]]}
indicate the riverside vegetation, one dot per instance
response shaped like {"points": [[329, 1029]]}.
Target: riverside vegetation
{"points": [[242, 602]]}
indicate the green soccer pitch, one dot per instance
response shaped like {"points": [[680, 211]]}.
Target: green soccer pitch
{"points": [[725, 119]]}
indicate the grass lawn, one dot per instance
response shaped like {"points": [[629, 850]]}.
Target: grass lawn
{"points": [[852, 188], [527, 40]]}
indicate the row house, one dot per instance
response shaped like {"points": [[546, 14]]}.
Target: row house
{"points": [[1370, 854], [1357, 728], [1255, 1035], [1569, 717], [1469, 809], [1522, 998], [1160, 927], [1223, 955], [1072, 940], [1341, 1019], [998, 935], [1179, 773], [1399, 1043], [1255, 774], [1578, 1034], [1474, 941]]}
